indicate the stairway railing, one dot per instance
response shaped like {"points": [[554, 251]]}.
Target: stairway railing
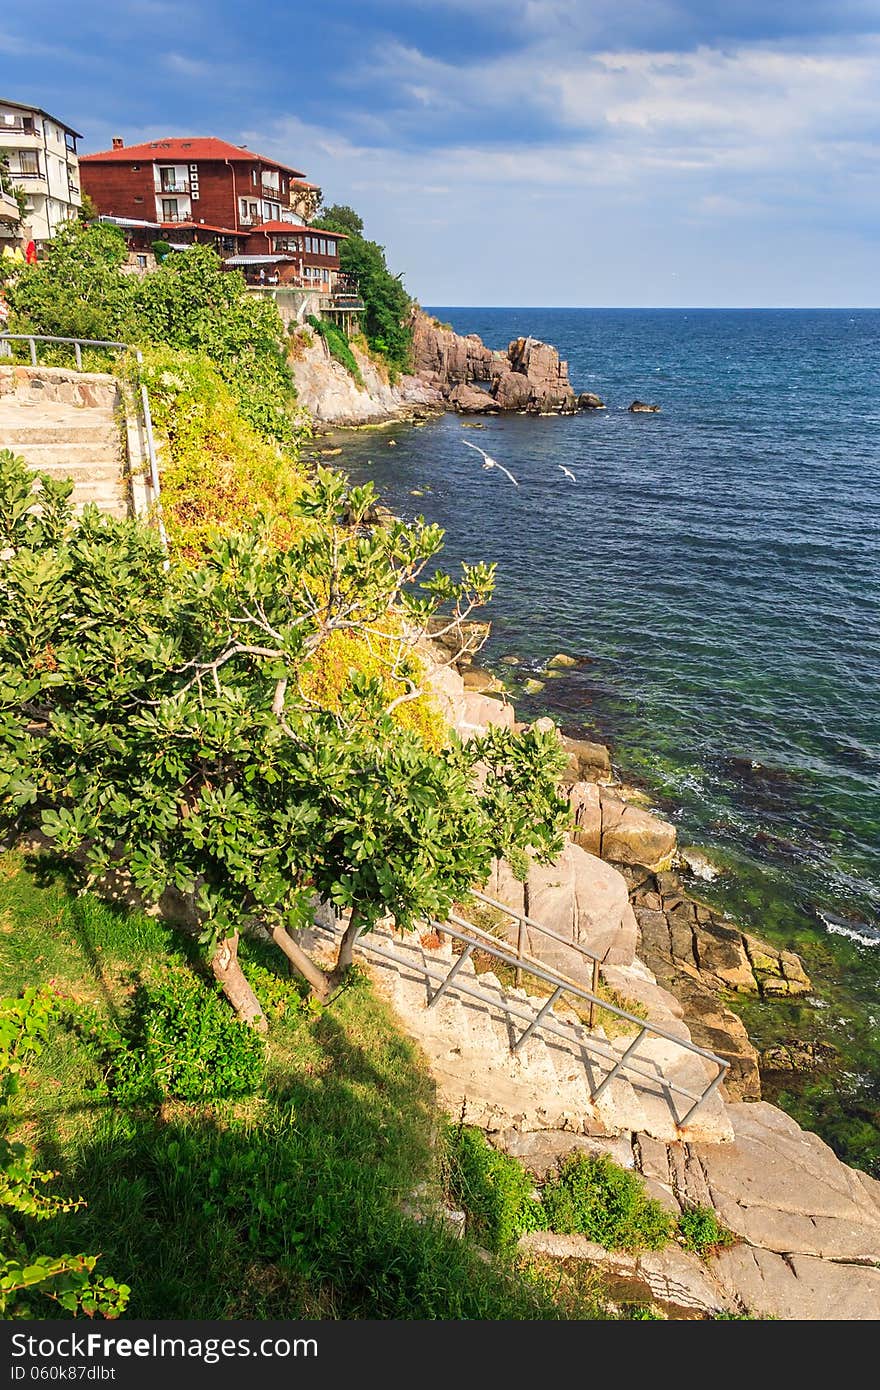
{"points": [[589, 1045], [142, 397]]}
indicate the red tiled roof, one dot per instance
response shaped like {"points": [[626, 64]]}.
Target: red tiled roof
{"points": [[304, 183], [294, 229], [199, 227], [184, 150]]}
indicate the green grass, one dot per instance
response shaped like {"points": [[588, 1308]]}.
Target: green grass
{"points": [[284, 1203]]}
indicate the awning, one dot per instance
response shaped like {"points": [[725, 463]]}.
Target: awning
{"points": [[258, 260], [129, 222]]}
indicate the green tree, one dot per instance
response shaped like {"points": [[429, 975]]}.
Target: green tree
{"points": [[160, 714], [78, 289], [387, 304]]}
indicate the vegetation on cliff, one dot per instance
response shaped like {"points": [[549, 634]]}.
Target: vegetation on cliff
{"points": [[278, 1192], [386, 320]]}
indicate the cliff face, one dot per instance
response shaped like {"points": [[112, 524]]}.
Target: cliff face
{"points": [[333, 397]]}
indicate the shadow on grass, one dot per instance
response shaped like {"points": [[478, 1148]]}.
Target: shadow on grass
{"points": [[295, 1212]]}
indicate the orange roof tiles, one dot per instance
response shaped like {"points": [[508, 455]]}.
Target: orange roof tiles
{"points": [[185, 150]]}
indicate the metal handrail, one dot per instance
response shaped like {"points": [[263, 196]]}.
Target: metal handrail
{"points": [[78, 344], [474, 939]]}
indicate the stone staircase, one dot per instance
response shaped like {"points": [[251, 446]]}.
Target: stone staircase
{"points": [[548, 1082], [74, 425]]}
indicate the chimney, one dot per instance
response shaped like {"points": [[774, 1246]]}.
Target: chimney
{"points": [[118, 142]]}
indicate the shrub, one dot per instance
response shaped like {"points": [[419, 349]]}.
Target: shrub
{"points": [[700, 1230], [493, 1189], [338, 346], [593, 1197], [178, 1040], [217, 470], [26, 1277], [161, 249]]}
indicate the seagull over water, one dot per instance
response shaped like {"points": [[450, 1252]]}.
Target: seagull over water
{"points": [[567, 471], [489, 462]]}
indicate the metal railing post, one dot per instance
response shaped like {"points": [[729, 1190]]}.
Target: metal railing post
{"points": [[520, 928], [536, 1022], [33, 347], [441, 989], [77, 352], [709, 1091], [595, 991], [615, 1071]]}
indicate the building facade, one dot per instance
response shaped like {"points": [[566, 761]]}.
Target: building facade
{"points": [[41, 158]]}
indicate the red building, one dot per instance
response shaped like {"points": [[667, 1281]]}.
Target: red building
{"points": [[204, 189]]}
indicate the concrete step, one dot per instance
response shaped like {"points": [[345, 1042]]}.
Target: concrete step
{"points": [[50, 455], [43, 435], [110, 471]]}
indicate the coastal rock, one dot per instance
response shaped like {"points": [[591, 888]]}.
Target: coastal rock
{"points": [[469, 400], [445, 357], [333, 397], [782, 1188], [672, 1276], [587, 762], [579, 897], [616, 831], [643, 408], [587, 400], [797, 1055], [475, 678], [512, 391], [561, 660]]}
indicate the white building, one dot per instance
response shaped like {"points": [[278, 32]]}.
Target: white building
{"points": [[42, 159]]}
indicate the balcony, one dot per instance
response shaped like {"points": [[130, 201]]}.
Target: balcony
{"points": [[8, 208], [16, 174], [168, 190]]}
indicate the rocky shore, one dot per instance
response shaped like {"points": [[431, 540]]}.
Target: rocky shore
{"points": [[450, 372], [805, 1228]]}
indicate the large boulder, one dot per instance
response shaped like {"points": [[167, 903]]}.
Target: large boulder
{"points": [[588, 400], [643, 408], [614, 830], [580, 898], [512, 391], [469, 400]]}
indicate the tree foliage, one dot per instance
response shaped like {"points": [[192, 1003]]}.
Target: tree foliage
{"points": [[387, 304], [189, 302], [163, 714]]}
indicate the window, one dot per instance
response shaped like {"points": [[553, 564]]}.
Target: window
{"points": [[323, 246], [138, 200], [135, 168], [308, 243], [169, 209], [27, 162], [142, 262]]}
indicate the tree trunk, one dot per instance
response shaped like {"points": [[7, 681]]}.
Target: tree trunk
{"points": [[304, 966], [346, 950], [227, 970]]}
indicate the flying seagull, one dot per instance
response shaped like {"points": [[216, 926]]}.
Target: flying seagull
{"points": [[567, 471], [489, 462]]}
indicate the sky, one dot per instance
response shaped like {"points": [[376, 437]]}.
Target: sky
{"points": [[518, 152]]}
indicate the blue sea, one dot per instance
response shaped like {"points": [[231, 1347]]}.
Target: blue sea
{"points": [[714, 569]]}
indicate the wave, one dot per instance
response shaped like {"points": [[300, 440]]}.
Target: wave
{"points": [[863, 933]]}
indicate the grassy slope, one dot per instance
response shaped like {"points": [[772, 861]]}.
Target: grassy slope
{"points": [[286, 1204]]}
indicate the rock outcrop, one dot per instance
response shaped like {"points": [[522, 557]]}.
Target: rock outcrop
{"points": [[643, 408], [611, 828], [529, 376]]}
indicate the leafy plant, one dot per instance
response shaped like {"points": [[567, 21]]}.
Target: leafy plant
{"points": [[594, 1197], [25, 1276], [178, 1040], [494, 1190], [700, 1231]]}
